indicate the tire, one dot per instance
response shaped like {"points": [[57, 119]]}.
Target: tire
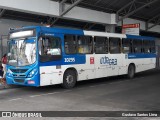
{"points": [[69, 79], [131, 71]]}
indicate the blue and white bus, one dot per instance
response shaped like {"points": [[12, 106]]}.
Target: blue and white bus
{"points": [[41, 56]]}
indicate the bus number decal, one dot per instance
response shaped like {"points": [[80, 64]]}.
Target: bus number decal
{"points": [[68, 60]]}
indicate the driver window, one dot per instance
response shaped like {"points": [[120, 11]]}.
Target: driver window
{"points": [[49, 48]]}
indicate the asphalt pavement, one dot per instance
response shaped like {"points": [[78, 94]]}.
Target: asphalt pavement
{"points": [[107, 94]]}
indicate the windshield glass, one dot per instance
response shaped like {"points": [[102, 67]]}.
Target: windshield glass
{"points": [[22, 51]]}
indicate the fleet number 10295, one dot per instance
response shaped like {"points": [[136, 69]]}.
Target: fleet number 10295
{"points": [[69, 60]]}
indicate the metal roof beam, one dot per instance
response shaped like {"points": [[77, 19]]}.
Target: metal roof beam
{"points": [[63, 1], [125, 6], [132, 8], [97, 2], [54, 22], [50, 8], [155, 20], [2, 12], [70, 7], [63, 12], [149, 27], [89, 26], [99, 7], [155, 17], [61, 4]]}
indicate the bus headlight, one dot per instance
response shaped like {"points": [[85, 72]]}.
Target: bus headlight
{"points": [[32, 73], [9, 73]]}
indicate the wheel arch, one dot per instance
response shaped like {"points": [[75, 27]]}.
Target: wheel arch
{"points": [[133, 65], [73, 69]]}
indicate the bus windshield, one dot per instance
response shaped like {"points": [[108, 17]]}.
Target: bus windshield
{"points": [[22, 51]]}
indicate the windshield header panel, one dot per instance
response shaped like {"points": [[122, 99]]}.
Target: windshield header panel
{"points": [[23, 34]]}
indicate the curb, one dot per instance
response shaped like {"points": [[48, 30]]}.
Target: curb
{"points": [[2, 87], [5, 87]]}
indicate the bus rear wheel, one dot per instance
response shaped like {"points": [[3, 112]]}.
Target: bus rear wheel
{"points": [[131, 71], [69, 79]]}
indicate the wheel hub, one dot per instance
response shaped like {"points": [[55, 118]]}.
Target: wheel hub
{"points": [[69, 79]]}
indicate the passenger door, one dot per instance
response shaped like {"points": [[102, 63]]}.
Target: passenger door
{"points": [[50, 56], [101, 51], [114, 59], [85, 48]]}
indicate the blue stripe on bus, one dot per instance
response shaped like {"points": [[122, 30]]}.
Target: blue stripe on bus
{"points": [[62, 31], [140, 37], [67, 60], [141, 55]]}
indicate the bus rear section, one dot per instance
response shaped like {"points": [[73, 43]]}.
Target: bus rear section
{"points": [[142, 52]]}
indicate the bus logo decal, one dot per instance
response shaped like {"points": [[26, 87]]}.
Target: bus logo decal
{"points": [[107, 60]]}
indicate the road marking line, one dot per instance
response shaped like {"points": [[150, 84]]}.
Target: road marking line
{"points": [[93, 86], [119, 81], [106, 84], [15, 99], [43, 94], [48, 93]]}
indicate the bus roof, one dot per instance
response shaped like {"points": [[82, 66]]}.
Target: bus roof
{"points": [[84, 32], [57, 30], [104, 34]]}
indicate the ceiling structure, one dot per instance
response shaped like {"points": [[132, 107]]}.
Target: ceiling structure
{"points": [[145, 10]]}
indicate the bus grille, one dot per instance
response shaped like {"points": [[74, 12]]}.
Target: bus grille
{"points": [[19, 80], [19, 70], [16, 75]]}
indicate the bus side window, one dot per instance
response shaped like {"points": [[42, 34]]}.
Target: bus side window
{"points": [[114, 45], [126, 45], [85, 44], [146, 46], [137, 46], [152, 47], [101, 45], [70, 44]]}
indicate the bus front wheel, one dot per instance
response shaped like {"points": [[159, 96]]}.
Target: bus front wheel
{"points": [[69, 79], [131, 71]]}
